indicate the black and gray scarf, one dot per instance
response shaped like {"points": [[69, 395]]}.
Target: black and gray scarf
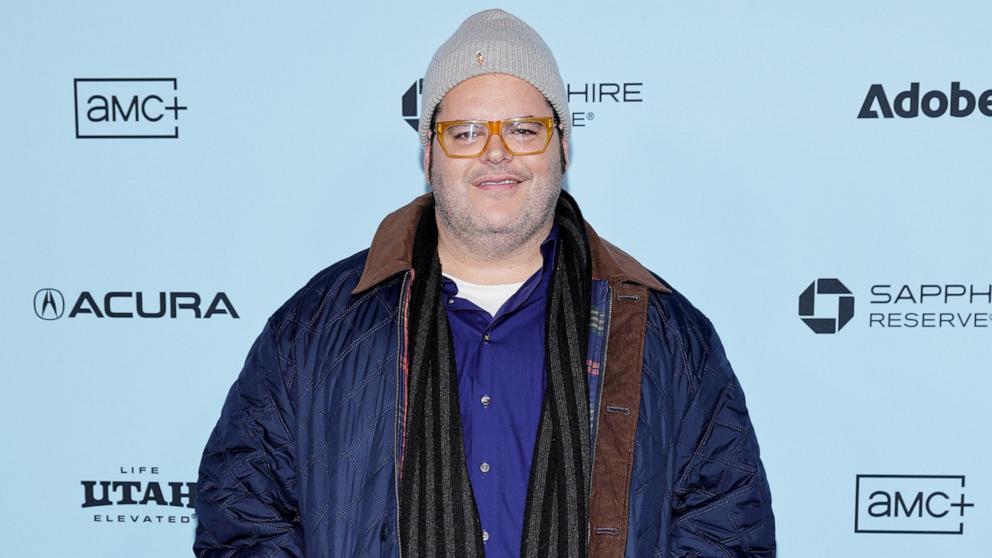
{"points": [[438, 515]]}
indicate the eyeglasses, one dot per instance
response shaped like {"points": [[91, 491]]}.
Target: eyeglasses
{"points": [[469, 138]]}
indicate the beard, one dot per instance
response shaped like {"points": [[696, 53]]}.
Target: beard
{"points": [[482, 235]]}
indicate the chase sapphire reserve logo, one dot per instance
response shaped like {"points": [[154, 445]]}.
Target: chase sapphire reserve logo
{"points": [[827, 306], [584, 96], [127, 108], [411, 104], [834, 302]]}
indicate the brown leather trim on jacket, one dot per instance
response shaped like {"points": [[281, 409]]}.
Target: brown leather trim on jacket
{"points": [[391, 253], [620, 407]]}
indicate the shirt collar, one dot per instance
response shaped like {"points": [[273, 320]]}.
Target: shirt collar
{"points": [[533, 289]]}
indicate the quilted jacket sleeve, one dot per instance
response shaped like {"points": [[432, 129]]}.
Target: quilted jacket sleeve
{"points": [[247, 504], [721, 500]]}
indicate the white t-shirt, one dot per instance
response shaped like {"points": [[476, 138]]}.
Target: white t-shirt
{"points": [[488, 297]]}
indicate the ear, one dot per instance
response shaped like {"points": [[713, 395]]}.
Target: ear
{"points": [[564, 151], [427, 160]]}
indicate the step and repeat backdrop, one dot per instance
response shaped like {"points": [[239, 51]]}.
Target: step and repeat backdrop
{"points": [[813, 176]]}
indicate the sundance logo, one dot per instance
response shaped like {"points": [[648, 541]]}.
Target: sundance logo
{"points": [[923, 504], [909, 104], [49, 304]]}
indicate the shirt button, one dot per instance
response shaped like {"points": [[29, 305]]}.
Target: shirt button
{"points": [[484, 467], [486, 400], [485, 337], [451, 301], [485, 535]]}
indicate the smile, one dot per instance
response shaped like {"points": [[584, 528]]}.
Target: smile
{"points": [[507, 181], [497, 181]]}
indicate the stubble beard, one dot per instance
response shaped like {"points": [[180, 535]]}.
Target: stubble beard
{"points": [[496, 242]]}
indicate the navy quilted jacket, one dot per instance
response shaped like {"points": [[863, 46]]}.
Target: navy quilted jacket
{"points": [[304, 458]]}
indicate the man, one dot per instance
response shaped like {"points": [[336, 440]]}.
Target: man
{"points": [[490, 377]]}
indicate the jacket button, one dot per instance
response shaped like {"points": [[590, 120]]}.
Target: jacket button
{"points": [[384, 531]]}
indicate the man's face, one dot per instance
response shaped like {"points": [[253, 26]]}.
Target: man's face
{"points": [[471, 202]]}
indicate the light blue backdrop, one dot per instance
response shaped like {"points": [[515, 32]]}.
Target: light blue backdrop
{"points": [[742, 176]]}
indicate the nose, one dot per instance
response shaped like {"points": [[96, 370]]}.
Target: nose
{"points": [[495, 150]]}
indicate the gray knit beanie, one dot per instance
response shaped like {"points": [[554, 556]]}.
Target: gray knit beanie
{"points": [[493, 42]]}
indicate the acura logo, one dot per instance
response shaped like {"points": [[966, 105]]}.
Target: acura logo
{"points": [[49, 304]]}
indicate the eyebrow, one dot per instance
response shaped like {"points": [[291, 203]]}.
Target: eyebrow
{"points": [[507, 118]]}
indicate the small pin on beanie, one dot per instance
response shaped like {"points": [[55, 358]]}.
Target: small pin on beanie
{"points": [[493, 42]]}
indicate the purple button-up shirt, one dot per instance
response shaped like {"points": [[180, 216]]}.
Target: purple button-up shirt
{"points": [[500, 363]]}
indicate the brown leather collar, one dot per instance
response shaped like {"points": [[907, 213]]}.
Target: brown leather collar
{"points": [[392, 252]]}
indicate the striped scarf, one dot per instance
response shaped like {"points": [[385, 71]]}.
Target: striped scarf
{"points": [[438, 515]]}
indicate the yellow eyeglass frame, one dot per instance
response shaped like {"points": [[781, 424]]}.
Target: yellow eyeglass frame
{"points": [[496, 129]]}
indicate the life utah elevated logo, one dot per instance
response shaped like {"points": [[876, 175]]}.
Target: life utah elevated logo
{"points": [[139, 494]]}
